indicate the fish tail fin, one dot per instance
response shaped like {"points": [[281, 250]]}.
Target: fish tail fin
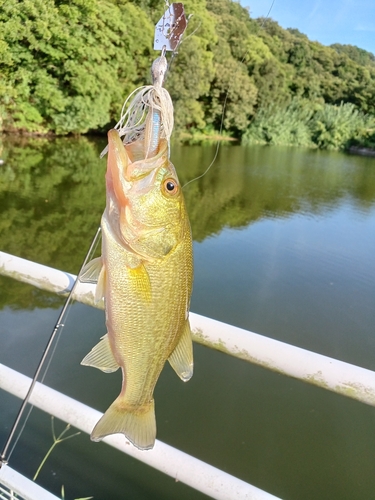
{"points": [[138, 424]]}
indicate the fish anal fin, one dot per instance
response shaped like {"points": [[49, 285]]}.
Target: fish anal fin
{"points": [[181, 359], [90, 273], [101, 357], [140, 282], [136, 423]]}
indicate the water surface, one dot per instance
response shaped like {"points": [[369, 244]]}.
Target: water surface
{"points": [[284, 246]]}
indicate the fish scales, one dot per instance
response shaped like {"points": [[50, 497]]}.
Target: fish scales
{"points": [[153, 327]]}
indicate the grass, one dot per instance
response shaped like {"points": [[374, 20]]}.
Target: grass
{"points": [[57, 440]]}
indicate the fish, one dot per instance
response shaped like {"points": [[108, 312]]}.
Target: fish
{"points": [[145, 276]]}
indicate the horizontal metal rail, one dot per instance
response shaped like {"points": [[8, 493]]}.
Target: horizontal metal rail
{"points": [[337, 376], [18, 487], [181, 466]]}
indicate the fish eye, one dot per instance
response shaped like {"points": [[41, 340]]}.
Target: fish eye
{"points": [[170, 186]]}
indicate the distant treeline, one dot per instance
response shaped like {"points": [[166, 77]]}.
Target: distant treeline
{"points": [[66, 66]]}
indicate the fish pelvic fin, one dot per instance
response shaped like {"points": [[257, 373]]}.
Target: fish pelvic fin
{"points": [[181, 359], [101, 357], [138, 424]]}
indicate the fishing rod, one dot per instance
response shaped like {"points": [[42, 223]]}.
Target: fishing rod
{"points": [[168, 34], [58, 327]]}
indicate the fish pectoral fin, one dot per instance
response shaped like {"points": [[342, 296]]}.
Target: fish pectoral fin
{"points": [[181, 359], [90, 273], [137, 423], [101, 357]]}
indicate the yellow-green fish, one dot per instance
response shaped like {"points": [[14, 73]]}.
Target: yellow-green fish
{"points": [[145, 276]]}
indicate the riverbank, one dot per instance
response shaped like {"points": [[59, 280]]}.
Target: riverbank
{"points": [[195, 138]]}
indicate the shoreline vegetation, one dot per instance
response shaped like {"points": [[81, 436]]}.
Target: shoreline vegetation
{"points": [[67, 66]]}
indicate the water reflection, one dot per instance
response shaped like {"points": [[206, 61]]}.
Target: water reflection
{"points": [[51, 198], [52, 194], [247, 184], [292, 258]]}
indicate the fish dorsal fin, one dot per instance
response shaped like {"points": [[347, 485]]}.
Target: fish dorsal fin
{"points": [[90, 273], [101, 357], [181, 359]]}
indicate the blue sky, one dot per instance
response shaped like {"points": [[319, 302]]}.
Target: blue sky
{"points": [[326, 21]]}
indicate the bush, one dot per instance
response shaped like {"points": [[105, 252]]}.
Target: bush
{"points": [[300, 124]]}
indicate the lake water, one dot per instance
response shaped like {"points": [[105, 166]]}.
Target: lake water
{"points": [[284, 243]]}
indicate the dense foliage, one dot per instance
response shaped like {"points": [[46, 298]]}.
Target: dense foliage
{"points": [[300, 124], [67, 65], [358, 55]]}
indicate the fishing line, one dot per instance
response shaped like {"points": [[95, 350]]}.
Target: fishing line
{"points": [[268, 13], [55, 334], [224, 108], [217, 146]]}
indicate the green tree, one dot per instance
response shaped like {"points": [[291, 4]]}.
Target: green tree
{"points": [[360, 56], [66, 66]]}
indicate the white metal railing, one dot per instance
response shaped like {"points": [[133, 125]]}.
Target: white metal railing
{"points": [[346, 379], [14, 486], [337, 376], [181, 466], [7, 493]]}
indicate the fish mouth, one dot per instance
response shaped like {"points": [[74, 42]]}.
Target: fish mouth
{"points": [[130, 159]]}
